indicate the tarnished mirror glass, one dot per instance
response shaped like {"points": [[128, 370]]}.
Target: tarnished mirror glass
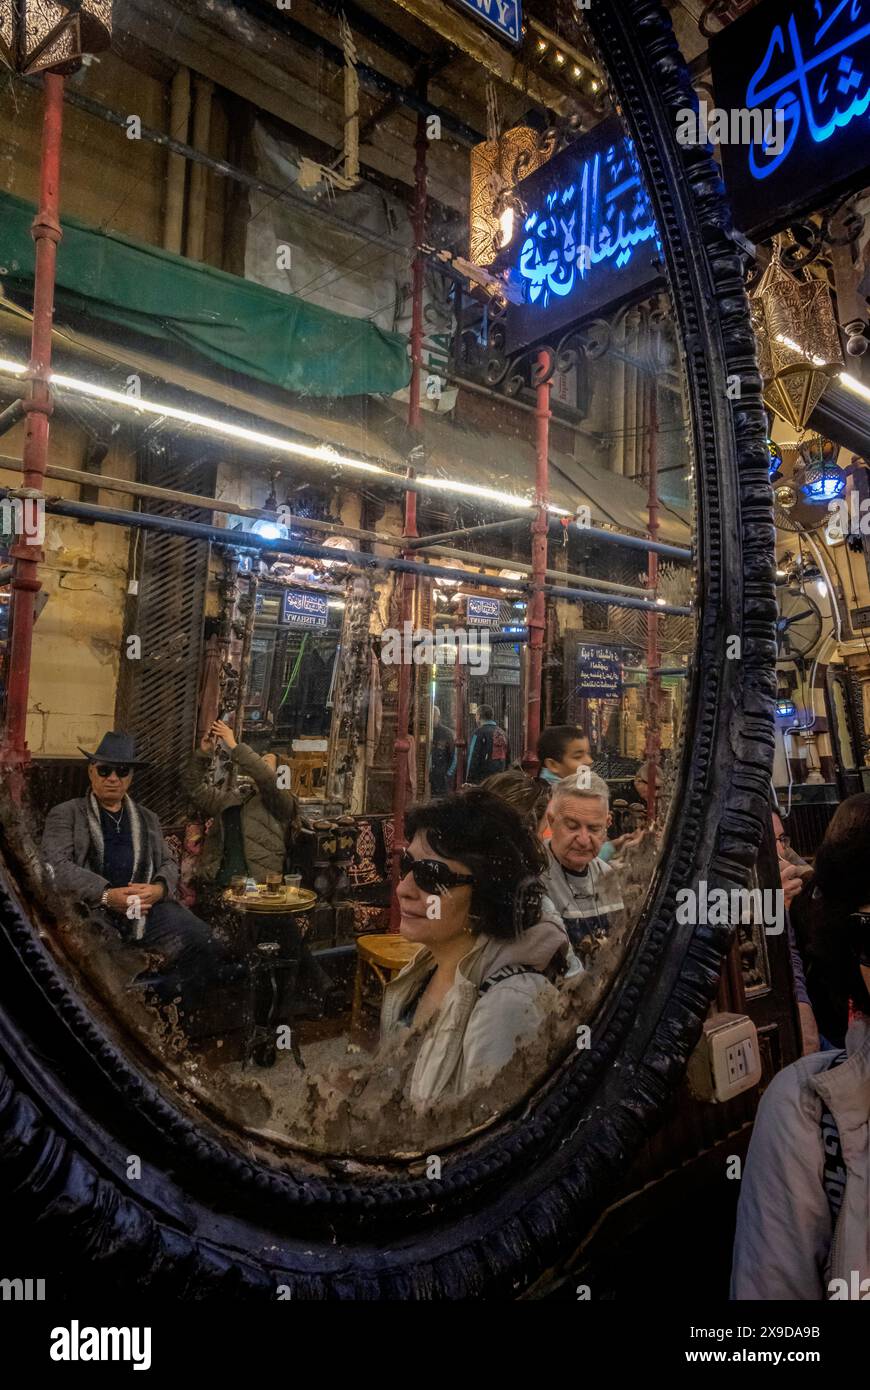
{"points": [[365, 634]]}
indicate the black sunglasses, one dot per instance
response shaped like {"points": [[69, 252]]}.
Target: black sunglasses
{"points": [[106, 769], [432, 875]]}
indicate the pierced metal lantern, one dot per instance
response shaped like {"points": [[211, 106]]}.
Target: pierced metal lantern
{"points": [[823, 478], [798, 342], [775, 456], [52, 35]]}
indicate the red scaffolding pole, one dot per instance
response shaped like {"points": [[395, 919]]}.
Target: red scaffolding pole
{"points": [[46, 233], [537, 618], [402, 744]]}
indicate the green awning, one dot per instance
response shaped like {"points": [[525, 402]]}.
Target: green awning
{"points": [[243, 326]]}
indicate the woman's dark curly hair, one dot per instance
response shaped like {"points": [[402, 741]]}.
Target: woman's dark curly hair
{"points": [[842, 877], [498, 847]]}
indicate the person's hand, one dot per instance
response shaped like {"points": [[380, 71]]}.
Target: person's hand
{"points": [[809, 1030], [116, 899], [222, 730], [206, 743], [147, 893], [792, 879]]}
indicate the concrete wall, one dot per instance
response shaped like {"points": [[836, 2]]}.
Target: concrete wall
{"points": [[106, 179], [77, 640]]}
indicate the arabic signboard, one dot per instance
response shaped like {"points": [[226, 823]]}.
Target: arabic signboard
{"points": [[599, 673], [505, 16], [482, 610], [808, 61], [303, 609], [587, 240]]}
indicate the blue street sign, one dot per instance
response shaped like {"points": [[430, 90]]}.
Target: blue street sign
{"points": [[505, 16], [302, 609], [482, 610]]}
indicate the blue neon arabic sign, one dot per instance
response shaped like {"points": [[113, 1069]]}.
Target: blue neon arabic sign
{"points": [[810, 61], [505, 16], [587, 237]]}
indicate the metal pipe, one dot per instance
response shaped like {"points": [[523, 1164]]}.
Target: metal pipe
{"points": [[218, 535], [11, 415], [537, 610], [212, 504], [436, 539], [46, 233], [415, 425], [653, 547], [561, 576]]}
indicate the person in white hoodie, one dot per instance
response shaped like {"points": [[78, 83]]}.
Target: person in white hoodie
{"points": [[803, 1219], [483, 981]]}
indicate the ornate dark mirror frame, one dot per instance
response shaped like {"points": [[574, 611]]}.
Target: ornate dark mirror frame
{"points": [[204, 1218]]}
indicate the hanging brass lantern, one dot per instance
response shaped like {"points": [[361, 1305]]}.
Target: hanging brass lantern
{"points": [[496, 166], [52, 35], [797, 338]]}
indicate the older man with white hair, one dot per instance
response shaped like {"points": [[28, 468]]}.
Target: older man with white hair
{"points": [[585, 890]]}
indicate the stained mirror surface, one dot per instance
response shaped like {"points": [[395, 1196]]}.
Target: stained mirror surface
{"points": [[364, 641]]}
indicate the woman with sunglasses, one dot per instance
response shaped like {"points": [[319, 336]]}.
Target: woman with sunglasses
{"points": [[482, 983]]}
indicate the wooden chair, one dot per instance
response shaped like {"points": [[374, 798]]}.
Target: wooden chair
{"points": [[379, 958]]}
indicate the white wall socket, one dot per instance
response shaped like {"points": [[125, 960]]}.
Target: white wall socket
{"points": [[727, 1060]]}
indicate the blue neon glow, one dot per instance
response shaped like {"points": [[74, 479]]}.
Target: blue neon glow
{"points": [[786, 708], [814, 77], [825, 488], [597, 219]]}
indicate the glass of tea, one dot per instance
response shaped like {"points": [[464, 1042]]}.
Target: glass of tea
{"points": [[273, 883], [237, 884]]}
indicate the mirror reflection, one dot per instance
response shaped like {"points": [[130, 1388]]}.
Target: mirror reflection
{"points": [[356, 697]]}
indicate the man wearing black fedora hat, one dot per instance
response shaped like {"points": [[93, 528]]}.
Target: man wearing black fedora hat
{"points": [[107, 852]]}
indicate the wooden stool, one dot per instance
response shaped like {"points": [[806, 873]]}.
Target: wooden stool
{"points": [[382, 955]]}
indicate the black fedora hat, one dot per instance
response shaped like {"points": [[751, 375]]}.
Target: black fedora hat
{"points": [[115, 748]]}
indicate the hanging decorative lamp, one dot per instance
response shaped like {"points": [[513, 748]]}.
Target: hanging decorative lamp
{"points": [[52, 35], [798, 342]]}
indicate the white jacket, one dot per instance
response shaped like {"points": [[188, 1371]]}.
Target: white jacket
{"points": [[474, 1035], [783, 1218]]}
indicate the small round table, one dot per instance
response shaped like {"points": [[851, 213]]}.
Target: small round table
{"points": [[275, 951], [383, 954]]}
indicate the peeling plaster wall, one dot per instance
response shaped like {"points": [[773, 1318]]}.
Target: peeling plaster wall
{"points": [[77, 648]]}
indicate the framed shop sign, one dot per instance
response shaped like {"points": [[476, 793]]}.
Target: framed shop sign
{"points": [[599, 672], [303, 609], [801, 70], [482, 611]]}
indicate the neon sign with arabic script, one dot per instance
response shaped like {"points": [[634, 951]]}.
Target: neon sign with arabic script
{"points": [[809, 60], [587, 237]]}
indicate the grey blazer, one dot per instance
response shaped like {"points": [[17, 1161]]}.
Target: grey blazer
{"points": [[66, 846]]}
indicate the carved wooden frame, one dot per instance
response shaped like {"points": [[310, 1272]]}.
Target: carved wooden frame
{"points": [[204, 1219]]}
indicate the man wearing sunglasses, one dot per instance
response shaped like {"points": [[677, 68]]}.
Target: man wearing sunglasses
{"points": [[107, 853]]}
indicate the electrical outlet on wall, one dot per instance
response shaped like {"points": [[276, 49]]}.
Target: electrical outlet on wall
{"points": [[727, 1060]]}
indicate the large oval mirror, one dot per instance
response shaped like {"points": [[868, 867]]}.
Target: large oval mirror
{"points": [[398, 647]]}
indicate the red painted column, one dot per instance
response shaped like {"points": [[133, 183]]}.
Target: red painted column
{"points": [[538, 603], [402, 744], [46, 233]]}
